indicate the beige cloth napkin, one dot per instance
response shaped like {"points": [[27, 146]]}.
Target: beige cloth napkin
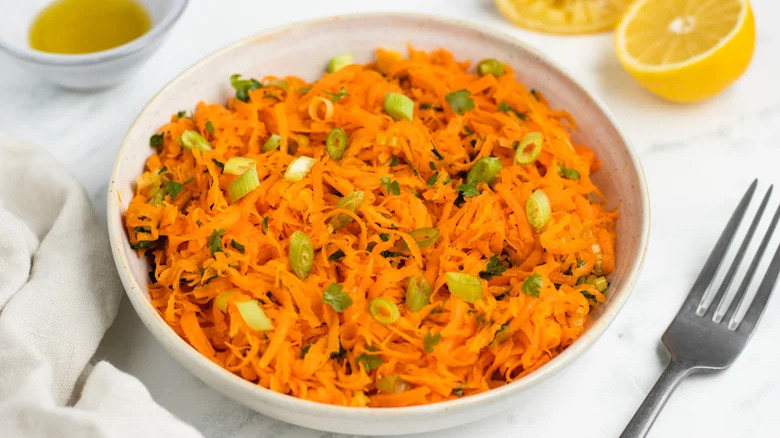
{"points": [[59, 293]]}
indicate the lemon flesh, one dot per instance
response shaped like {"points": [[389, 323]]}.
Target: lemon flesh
{"points": [[689, 50], [564, 16]]}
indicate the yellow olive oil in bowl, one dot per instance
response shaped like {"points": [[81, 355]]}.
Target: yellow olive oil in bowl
{"points": [[87, 26]]}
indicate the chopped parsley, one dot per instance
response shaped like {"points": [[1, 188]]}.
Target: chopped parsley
{"points": [[336, 256], [533, 285], [215, 241], [432, 165], [430, 106], [218, 163], [238, 247], [432, 180], [506, 108], [468, 189], [336, 298], [143, 244], [430, 341], [384, 236], [264, 226], [305, 349], [494, 268], [244, 86], [457, 391], [209, 127], [394, 161], [438, 155], [172, 188], [304, 90], [156, 140], [335, 97], [460, 101], [390, 186]]}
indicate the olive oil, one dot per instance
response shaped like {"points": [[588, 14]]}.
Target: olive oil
{"points": [[86, 26]]}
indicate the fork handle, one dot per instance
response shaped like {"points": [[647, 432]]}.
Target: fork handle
{"points": [[645, 416]]}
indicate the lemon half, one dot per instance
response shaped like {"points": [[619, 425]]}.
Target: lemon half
{"points": [[686, 50], [564, 16]]}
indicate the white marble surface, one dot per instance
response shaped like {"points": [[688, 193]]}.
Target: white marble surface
{"points": [[698, 160]]}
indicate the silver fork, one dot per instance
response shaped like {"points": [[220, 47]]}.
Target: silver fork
{"points": [[698, 340]]}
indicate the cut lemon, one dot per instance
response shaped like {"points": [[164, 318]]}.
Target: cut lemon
{"points": [[563, 16], [686, 50]]}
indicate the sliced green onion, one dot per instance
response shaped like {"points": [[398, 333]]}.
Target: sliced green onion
{"points": [[490, 67], [524, 157], [570, 173], [254, 316], [351, 202], [238, 165], [299, 168], [192, 140], [424, 237], [338, 62], [418, 293], [464, 286], [336, 143], [272, 143], [222, 300], [301, 254], [243, 185], [383, 310], [484, 170], [399, 106], [537, 209], [392, 384], [600, 283]]}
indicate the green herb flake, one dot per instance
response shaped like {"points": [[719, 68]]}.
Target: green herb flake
{"points": [[430, 341], [468, 190], [335, 97], [304, 90], [369, 361], [505, 107], [432, 165], [244, 86], [305, 349], [390, 186], [384, 236], [209, 127], [156, 140], [143, 244], [494, 268], [336, 298], [188, 181], [457, 391], [432, 180], [218, 163], [237, 246], [460, 101], [172, 188], [438, 155], [264, 226], [533, 285], [215, 241], [430, 106], [394, 161], [181, 114], [336, 256], [581, 263]]}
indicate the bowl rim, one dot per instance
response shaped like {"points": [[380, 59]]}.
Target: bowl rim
{"points": [[58, 59], [237, 388]]}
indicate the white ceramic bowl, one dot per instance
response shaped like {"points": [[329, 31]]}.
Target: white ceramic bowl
{"points": [[303, 49], [88, 71]]}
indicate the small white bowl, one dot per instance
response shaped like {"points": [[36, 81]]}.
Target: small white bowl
{"points": [[303, 49], [89, 71]]}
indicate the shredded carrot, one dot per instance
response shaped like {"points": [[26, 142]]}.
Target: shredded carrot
{"points": [[203, 249]]}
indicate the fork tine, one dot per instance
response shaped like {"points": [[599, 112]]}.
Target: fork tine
{"points": [[716, 256], [720, 297], [764, 289]]}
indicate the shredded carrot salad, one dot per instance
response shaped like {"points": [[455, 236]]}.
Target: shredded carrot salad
{"points": [[347, 332]]}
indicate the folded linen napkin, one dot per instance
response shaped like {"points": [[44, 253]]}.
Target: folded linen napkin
{"points": [[59, 293]]}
